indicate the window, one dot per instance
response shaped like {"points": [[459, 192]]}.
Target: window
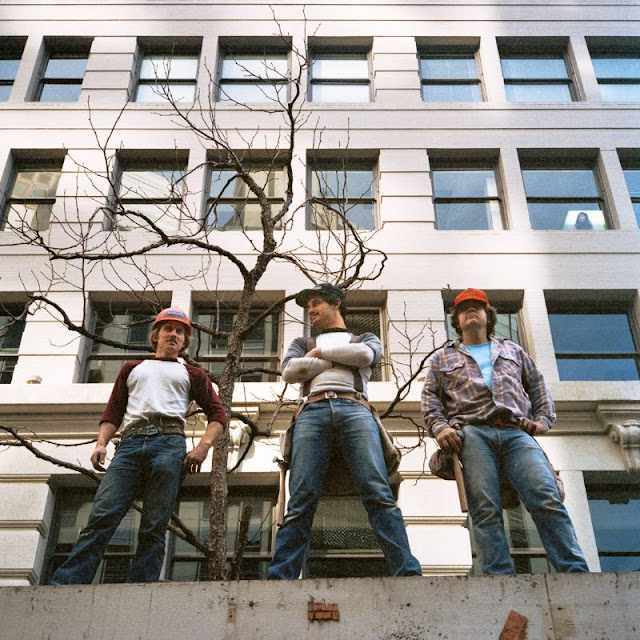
{"points": [[616, 62], [508, 305], [183, 562], [11, 330], [360, 320], [150, 192], [261, 347], [10, 53], [466, 197], [253, 75], [526, 548], [593, 339], [232, 205], [450, 75], [614, 504], [121, 324], [340, 73], [536, 72], [33, 192], [343, 543], [64, 67], [631, 169], [563, 197], [342, 192], [168, 69]]}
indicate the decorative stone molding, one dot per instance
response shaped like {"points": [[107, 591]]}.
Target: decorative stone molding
{"points": [[627, 435]]}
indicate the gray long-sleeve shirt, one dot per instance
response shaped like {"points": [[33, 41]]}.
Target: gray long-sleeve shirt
{"points": [[334, 370]]}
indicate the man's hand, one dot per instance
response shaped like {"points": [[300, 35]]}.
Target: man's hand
{"points": [[98, 457], [449, 440], [314, 353], [533, 428], [193, 460]]}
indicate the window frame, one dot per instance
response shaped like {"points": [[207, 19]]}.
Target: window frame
{"points": [[531, 163], [319, 53], [68, 49], [468, 167], [615, 48], [11, 50], [47, 163], [171, 207], [452, 52], [9, 355], [261, 51], [248, 199], [136, 312], [630, 163], [341, 167], [537, 49], [168, 50], [271, 360], [594, 303]]}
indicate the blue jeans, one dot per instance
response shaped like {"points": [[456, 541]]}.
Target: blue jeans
{"points": [[149, 466], [488, 452], [355, 432]]}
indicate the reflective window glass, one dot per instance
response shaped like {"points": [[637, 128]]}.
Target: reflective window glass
{"points": [[564, 199], [466, 199], [340, 77], [594, 346], [618, 76], [167, 77], [62, 78], [536, 78], [342, 193], [632, 176], [450, 78], [254, 78], [615, 516]]}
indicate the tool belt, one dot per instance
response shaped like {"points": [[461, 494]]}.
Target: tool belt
{"points": [[153, 426], [390, 449]]}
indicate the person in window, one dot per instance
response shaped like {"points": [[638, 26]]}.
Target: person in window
{"points": [[333, 377], [583, 221], [149, 401], [484, 398]]}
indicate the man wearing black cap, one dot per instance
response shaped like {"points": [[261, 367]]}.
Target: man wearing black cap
{"points": [[484, 399], [333, 378]]}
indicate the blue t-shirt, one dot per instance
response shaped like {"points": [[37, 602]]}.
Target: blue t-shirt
{"points": [[481, 353]]}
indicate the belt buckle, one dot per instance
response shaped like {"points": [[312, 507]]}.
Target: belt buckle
{"points": [[330, 394]]}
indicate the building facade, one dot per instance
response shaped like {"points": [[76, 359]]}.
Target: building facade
{"points": [[493, 145]]}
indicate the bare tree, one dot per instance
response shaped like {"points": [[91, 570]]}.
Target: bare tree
{"points": [[129, 212]]}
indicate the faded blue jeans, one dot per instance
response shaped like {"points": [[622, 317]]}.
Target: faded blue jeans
{"points": [[149, 466], [356, 434], [488, 452]]}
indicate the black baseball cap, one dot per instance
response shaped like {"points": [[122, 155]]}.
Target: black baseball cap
{"points": [[323, 289]]}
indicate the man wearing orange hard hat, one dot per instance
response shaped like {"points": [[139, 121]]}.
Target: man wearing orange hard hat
{"points": [[485, 399], [149, 403]]}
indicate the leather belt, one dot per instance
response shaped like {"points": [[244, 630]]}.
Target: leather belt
{"points": [[332, 395], [152, 427]]}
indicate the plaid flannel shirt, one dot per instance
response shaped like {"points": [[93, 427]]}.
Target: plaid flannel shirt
{"points": [[455, 393]]}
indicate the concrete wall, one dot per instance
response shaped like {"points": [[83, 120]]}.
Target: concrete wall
{"points": [[557, 607]]}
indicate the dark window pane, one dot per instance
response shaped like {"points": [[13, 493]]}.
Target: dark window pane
{"points": [[616, 67], [451, 93], [591, 333], [465, 183], [448, 67], [598, 369], [538, 68], [538, 93], [565, 183], [8, 69], [468, 215], [60, 92], [68, 68]]}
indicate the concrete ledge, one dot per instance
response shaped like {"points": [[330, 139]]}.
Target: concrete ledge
{"points": [[556, 606]]}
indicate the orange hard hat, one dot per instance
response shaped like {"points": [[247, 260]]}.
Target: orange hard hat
{"points": [[175, 315], [471, 294]]}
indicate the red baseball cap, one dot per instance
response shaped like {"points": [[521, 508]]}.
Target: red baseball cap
{"points": [[471, 294]]}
